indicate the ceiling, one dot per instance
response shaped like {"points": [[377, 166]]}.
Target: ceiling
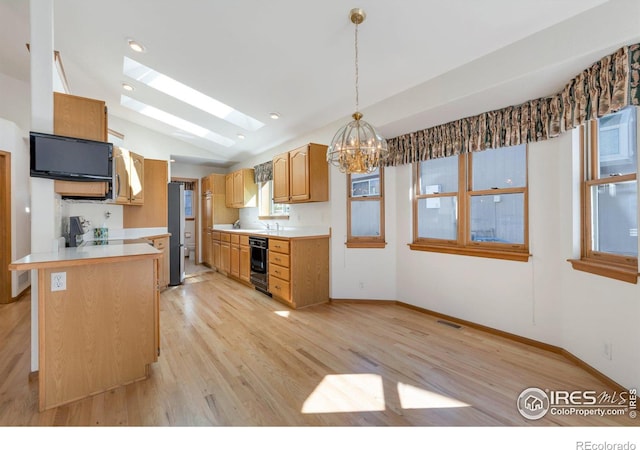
{"points": [[288, 56]]}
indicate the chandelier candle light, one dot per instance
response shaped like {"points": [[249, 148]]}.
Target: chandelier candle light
{"points": [[357, 147]]}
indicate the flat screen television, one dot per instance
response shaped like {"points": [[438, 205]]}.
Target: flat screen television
{"points": [[72, 159]]}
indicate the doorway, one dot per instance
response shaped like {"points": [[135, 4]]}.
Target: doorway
{"points": [[5, 227], [191, 220]]}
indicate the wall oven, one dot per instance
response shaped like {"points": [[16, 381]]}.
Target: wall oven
{"points": [[259, 247]]}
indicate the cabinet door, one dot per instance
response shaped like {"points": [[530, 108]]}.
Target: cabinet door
{"points": [[229, 190], [162, 244], [245, 263], [299, 174], [206, 247], [136, 179], [281, 178], [122, 162], [225, 256], [79, 117], [238, 189], [234, 261], [215, 250]]}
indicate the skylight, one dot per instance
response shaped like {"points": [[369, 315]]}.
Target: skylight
{"points": [[174, 121], [169, 86]]}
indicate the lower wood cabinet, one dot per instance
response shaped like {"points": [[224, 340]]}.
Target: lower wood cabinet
{"points": [[245, 260], [225, 253], [234, 260], [162, 244], [215, 248], [299, 271]]}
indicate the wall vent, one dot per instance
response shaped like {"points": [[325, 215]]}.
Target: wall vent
{"points": [[449, 324]]}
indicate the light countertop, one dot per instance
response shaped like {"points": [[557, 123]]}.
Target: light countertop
{"points": [[90, 254], [291, 233]]}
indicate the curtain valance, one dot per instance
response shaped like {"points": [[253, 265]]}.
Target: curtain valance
{"points": [[263, 172], [607, 86]]}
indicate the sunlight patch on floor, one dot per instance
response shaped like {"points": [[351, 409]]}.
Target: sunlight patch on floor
{"points": [[283, 313], [412, 397], [351, 392]]}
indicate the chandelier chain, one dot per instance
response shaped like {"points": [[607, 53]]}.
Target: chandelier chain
{"points": [[356, 59]]}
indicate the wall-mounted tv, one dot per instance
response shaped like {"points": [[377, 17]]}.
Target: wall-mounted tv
{"points": [[72, 159]]}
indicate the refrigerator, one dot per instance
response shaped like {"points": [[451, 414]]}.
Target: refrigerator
{"points": [[176, 228]]}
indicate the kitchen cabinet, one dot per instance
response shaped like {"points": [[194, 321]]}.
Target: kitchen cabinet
{"points": [[154, 212], [245, 260], [301, 175], [242, 191], [102, 332], [225, 253], [299, 271], [214, 211], [162, 244], [215, 248], [206, 248], [84, 118], [234, 260], [128, 180]]}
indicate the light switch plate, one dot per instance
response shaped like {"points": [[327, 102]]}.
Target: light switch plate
{"points": [[58, 281]]}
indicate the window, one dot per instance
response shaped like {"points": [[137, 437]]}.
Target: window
{"points": [[268, 209], [365, 210], [188, 203], [610, 196], [473, 204]]}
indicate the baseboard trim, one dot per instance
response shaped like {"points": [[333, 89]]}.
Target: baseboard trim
{"points": [[513, 337], [26, 291]]}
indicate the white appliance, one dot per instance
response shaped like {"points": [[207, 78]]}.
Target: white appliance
{"points": [[176, 223]]}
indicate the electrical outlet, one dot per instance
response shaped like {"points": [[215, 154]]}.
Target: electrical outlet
{"points": [[58, 281], [361, 285]]}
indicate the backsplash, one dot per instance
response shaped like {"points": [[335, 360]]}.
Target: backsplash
{"points": [[94, 212], [301, 215]]}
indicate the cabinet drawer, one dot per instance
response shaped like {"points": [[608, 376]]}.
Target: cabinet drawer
{"points": [[244, 240], [225, 237], [279, 288], [235, 239], [215, 235], [277, 245], [278, 258], [280, 272]]}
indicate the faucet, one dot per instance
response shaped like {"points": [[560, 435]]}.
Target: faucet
{"points": [[266, 225], [277, 227]]}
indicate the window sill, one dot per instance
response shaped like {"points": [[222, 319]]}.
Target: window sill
{"points": [[479, 252], [368, 244], [273, 217], [609, 270]]}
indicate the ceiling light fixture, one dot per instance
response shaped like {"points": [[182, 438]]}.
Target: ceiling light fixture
{"points": [[240, 136], [274, 115], [357, 147], [135, 46], [127, 87]]}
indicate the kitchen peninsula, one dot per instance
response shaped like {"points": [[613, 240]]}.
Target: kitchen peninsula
{"points": [[98, 318]]}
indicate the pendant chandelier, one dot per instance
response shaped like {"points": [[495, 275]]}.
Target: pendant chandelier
{"points": [[357, 147]]}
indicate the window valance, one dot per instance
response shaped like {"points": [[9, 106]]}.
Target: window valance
{"points": [[607, 86], [263, 172]]}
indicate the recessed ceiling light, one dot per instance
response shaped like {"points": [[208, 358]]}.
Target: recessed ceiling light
{"points": [[172, 160], [274, 115], [135, 46], [240, 136], [127, 87]]}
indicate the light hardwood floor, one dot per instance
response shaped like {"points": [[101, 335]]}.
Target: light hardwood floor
{"points": [[234, 357]]}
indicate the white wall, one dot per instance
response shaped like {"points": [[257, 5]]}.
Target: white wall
{"points": [[15, 141]]}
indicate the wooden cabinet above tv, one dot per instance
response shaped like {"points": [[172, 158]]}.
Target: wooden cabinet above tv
{"points": [[84, 118]]}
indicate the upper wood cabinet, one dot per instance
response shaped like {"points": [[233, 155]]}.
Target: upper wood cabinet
{"points": [[79, 117], [301, 175], [128, 184], [154, 212], [84, 118], [242, 191]]}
